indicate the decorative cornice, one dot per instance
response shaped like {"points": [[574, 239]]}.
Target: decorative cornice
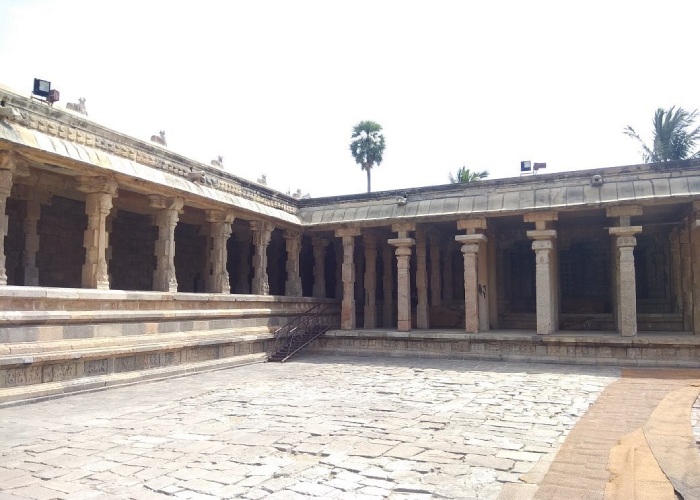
{"points": [[77, 129]]}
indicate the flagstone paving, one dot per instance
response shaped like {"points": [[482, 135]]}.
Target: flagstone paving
{"points": [[325, 427]]}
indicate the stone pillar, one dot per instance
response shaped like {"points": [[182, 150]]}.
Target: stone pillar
{"points": [[370, 312], [319, 246], [546, 292], [292, 287], [435, 284], [403, 246], [98, 203], [447, 277], [33, 201], [220, 223], [388, 285], [627, 287], [625, 282], [11, 165], [347, 313], [262, 233], [169, 209], [476, 303], [422, 312]]}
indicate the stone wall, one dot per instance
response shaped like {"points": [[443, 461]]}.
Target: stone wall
{"points": [[132, 243], [61, 254]]}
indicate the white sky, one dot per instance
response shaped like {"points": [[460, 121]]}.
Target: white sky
{"points": [[275, 87]]}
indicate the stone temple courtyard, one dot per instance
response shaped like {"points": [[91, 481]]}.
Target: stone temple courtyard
{"points": [[328, 427]]}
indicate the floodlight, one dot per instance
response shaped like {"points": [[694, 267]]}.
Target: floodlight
{"points": [[42, 88], [525, 166]]}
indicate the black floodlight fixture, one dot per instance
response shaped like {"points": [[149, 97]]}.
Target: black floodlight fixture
{"points": [[42, 88], [525, 166], [539, 166]]}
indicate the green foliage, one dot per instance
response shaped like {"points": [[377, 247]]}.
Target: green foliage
{"points": [[367, 146], [465, 175], [674, 136]]}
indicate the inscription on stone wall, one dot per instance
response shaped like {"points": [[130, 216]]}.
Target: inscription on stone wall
{"points": [[96, 367], [125, 364], [64, 371]]}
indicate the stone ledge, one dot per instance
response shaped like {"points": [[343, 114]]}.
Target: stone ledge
{"points": [[59, 317], [33, 393], [594, 338], [80, 350]]}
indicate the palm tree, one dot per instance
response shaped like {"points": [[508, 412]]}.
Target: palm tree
{"points": [[465, 175], [367, 146], [672, 139]]}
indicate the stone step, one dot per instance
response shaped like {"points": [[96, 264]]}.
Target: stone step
{"points": [[12, 396], [27, 364], [44, 352]]}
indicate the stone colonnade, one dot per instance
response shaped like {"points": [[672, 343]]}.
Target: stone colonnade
{"points": [[478, 298], [99, 193]]}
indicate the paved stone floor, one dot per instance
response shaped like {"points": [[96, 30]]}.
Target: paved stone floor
{"points": [[328, 427]]}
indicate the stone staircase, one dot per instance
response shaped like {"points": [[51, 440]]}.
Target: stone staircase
{"points": [[54, 342], [300, 332]]}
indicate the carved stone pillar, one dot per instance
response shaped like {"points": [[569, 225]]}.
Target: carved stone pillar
{"points": [[166, 217], [403, 246], [546, 293], [435, 284], [292, 287], [220, 231], [98, 203], [370, 312], [33, 201], [476, 300], [625, 280], [422, 315], [319, 246], [388, 285], [347, 313], [262, 233], [627, 286], [10, 165]]}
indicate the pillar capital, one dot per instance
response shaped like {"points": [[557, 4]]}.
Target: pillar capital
{"points": [[261, 226], [403, 226], [169, 203], [471, 238], [347, 231], [624, 230], [402, 243], [14, 162], [292, 234], [100, 184], [623, 211], [223, 216], [542, 234], [542, 220], [472, 225]]}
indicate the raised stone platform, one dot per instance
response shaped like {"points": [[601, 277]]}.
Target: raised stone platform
{"points": [[577, 347], [54, 341]]}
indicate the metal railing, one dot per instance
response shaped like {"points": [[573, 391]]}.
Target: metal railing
{"points": [[314, 321]]}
